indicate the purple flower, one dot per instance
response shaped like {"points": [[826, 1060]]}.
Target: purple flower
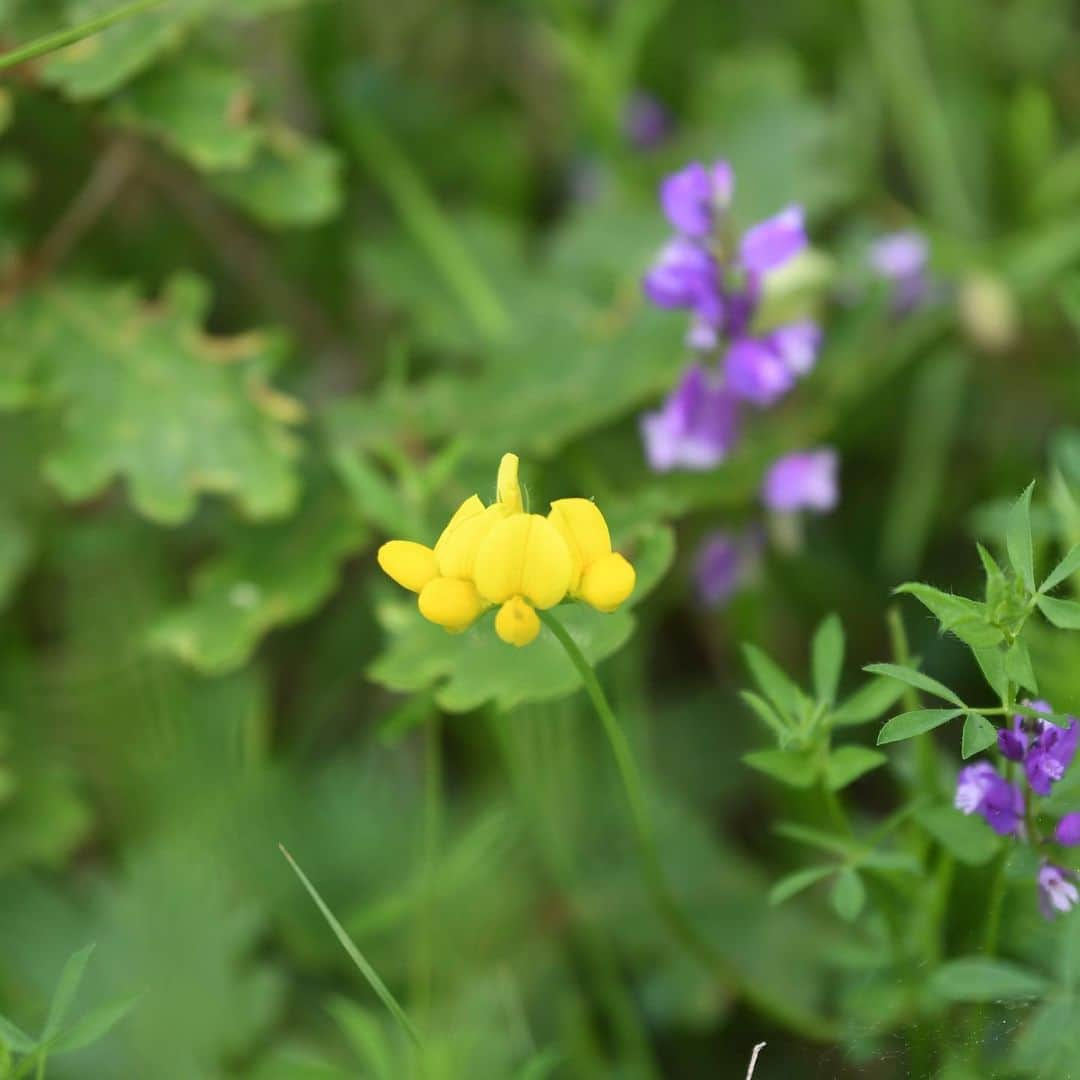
{"points": [[1057, 890], [696, 427], [797, 344], [980, 789], [1013, 741], [771, 243], [757, 372], [901, 258], [684, 273], [646, 122], [1051, 753], [1068, 830], [723, 562], [803, 481], [691, 197]]}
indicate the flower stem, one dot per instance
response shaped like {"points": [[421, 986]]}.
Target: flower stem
{"points": [[806, 1024], [51, 42]]}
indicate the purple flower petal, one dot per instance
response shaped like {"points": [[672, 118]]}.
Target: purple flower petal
{"points": [[721, 567], [980, 789], [687, 200], [899, 255], [797, 344], [1057, 890], [756, 372], [695, 428], [803, 481], [1051, 753], [1068, 830], [1012, 741], [771, 243], [684, 275]]}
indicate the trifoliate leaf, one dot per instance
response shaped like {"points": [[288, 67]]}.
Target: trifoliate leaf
{"points": [[847, 763], [144, 394], [266, 577], [909, 724], [292, 181], [979, 734], [472, 668], [198, 107]]}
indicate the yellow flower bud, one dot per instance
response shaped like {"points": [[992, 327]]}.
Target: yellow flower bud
{"points": [[454, 605], [599, 576], [523, 555], [607, 582], [516, 622], [507, 489], [411, 565]]}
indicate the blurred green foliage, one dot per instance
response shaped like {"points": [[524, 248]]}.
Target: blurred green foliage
{"points": [[281, 278]]}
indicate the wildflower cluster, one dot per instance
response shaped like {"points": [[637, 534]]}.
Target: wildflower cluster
{"points": [[720, 279], [1044, 751], [501, 555]]}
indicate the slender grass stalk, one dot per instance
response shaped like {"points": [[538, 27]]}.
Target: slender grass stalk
{"points": [[803, 1023], [369, 973], [62, 38]]}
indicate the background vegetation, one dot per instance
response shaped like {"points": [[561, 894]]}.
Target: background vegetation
{"points": [[282, 278]]}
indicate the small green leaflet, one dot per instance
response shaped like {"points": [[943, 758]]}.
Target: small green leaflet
{"points": [[827, 658], [793, 767], [968, 839], [1064, 614], [774, 683], [867, 703], [916, 679], [1064, 569], [848, 895], [1018, 538], [795, 883], [965, 618], [847, 763], [979, 734], [977, 978], [909, 724]]}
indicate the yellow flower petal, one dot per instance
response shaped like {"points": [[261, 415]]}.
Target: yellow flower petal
{"points": [[409, 564], [524, 555], [456, 550], [607, 583], [452, 604], [516, 622], [585, 531], [507, 489], [469, 508]]}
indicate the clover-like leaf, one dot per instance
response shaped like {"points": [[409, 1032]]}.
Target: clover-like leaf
{"points": [[144, 394], [472, 668], [267, 576]]}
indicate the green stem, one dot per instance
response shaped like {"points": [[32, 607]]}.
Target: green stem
{"points": [[797, 1020], [425, 955], [51, 42]]}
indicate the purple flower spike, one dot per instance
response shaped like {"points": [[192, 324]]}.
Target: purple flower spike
{"points": [[1013, 741], [684, 276], [646, 122], [803, 481], [1067, 832], [722, 565], [756, 372], [771, 243], [1057, 891], [980, 789], [1051, 754], [696, 427]]}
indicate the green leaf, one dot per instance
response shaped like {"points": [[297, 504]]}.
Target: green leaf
{"points": [[968, 839], [267, 576], [766, 713], [15, 1038], [1064, 614], [992, 664], [847, 763], [143, 393], [1064, 569], [1049, 1043], [826, 841], [94, 1026], [979, 978], [1018, 539], [909, 724], [68, 984], [965, 618], [795, 883], [995, 577], [916, 679], [867, 703], [1018, 667], [785, 696], [475, 667], [979, 734], [199, 107], [796, 768], [848, 895], [827, 658], [292, 181]]}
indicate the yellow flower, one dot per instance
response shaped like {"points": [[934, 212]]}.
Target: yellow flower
{"points": [[599, 576], [499, 554]]}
